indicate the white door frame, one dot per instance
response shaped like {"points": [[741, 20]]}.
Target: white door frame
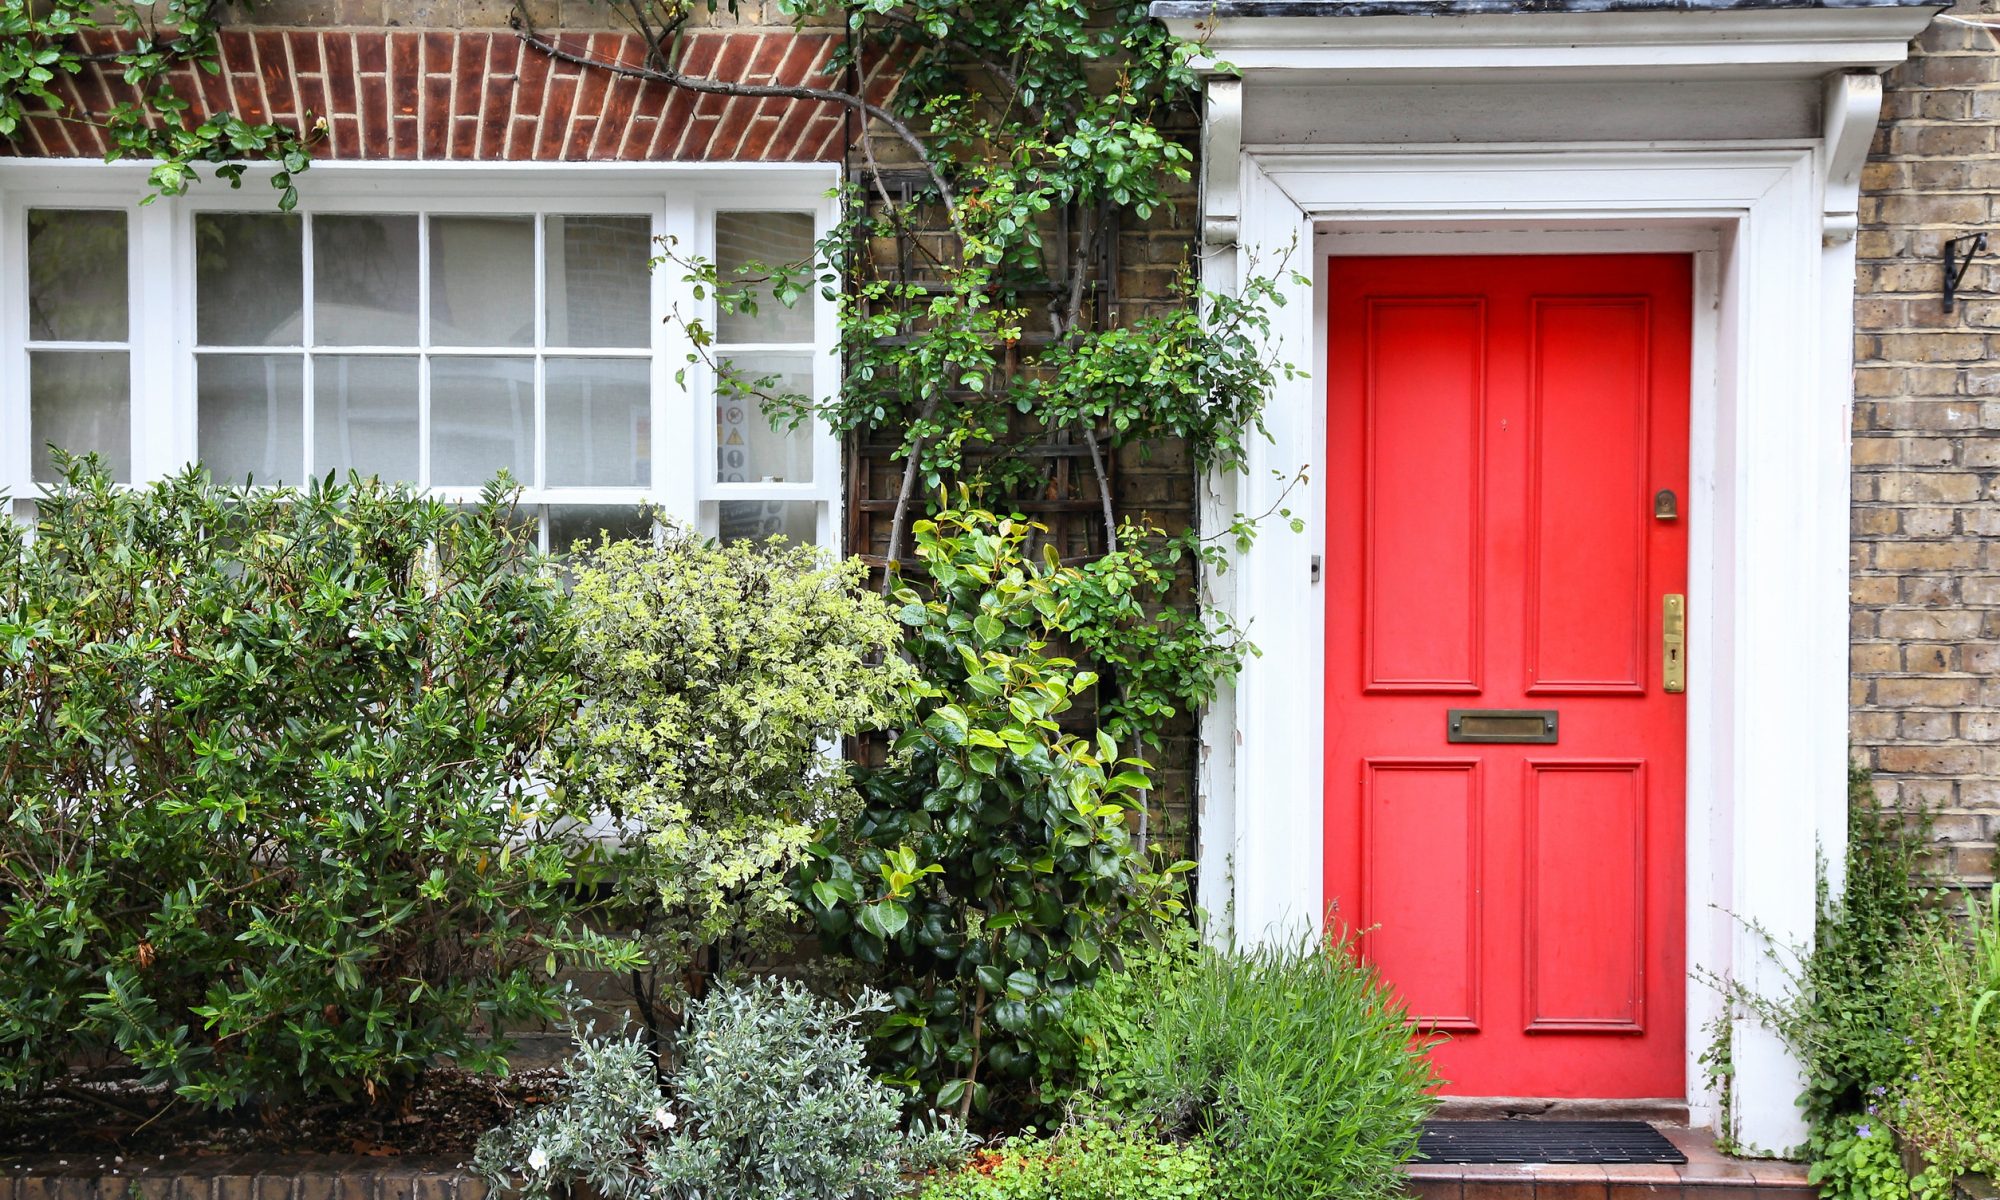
{"points": [[1767, 509]]}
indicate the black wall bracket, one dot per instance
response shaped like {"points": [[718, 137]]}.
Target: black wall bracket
{"points": [[1958, 254]]}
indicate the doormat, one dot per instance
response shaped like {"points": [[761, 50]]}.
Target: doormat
{"points": [[1545, 1142]]}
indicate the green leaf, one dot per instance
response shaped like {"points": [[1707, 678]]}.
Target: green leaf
{"points": [[885, 919]]}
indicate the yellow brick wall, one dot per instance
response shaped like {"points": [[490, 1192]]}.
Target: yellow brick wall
{"points": [[1926, 569]]}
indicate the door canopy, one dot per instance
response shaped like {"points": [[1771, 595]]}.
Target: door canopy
{"points": [[1317, 73]]}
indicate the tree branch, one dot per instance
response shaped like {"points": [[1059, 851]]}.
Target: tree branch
{"points": [[1069, 327], [724, 87], [978, 1048], [868, 156], [1103, 489], [904, 492]]}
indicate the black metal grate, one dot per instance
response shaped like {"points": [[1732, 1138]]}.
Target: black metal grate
{"points": [[1545, 1142]]}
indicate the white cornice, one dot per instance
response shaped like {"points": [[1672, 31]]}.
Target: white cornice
{"points": [[1764, 43]]}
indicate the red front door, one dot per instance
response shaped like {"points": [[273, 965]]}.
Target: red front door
{"points": [[1501, 431]]}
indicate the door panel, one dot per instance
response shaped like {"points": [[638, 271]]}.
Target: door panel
{"points": [[1588, 427], [1423, 429], [1498, 427], [1422, 833], [1585, 942]]}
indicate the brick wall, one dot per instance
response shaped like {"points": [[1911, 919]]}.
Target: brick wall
{"points": [[237, 1177], [473, 95], [1926, 566]]}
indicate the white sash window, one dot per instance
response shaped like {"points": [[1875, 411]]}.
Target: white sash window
{"points": [[426, 325]]}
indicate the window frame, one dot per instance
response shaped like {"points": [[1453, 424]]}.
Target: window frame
{"points": [[681, 199]]}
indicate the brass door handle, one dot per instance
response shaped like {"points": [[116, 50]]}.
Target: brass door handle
{"points": [[1673, 643]]}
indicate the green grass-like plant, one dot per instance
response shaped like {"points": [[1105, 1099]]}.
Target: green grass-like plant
{"points": [[1291, 1062], [1945, 1100]]}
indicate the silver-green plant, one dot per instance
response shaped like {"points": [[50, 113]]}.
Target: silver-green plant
{"points": [[609, 1102], [718, 677], [771, 1098], [779, 1101]]}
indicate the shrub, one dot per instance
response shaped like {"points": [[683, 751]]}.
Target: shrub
{"points": [[771, 1098], [1094, 1162], [717, 676], [262, 766], [607, 1105], [1293, 1064], [991, 871]]}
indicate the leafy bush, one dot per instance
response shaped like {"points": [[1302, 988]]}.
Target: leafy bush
{"points": [[1859, 1158], [991, 871], [771, 1098], [263, 757], [1094, 1162], [1294, 1065], [716, 678], [607, 1105], [1896, 1015]]}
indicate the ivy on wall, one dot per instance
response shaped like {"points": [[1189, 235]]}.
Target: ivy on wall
{"points": [[42, 41]]}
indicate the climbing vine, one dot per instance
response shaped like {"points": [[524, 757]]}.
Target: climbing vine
{"points": [[42, 41], [1032, 130], [973, 279]]}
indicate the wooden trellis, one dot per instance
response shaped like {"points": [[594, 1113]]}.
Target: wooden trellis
{"points": [[1063, 493]]}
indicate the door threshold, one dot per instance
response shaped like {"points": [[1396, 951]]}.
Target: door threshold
{"points": [[1703, 1177], [1530, 1108]]}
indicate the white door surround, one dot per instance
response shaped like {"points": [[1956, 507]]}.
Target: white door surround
{"points": [[1736, 136]]}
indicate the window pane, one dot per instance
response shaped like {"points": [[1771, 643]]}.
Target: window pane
{"points": [[795, 520], [365, 416], [600, 422], [747, 449], [772, 240], [482, 419], [77, 276], [482, 281], [249, 279], [599, 292], [572, 523], [250, 417], [81, 401], [365, 281]]}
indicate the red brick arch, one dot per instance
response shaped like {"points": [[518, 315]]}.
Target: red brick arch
{"points": [[470, 96]]}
